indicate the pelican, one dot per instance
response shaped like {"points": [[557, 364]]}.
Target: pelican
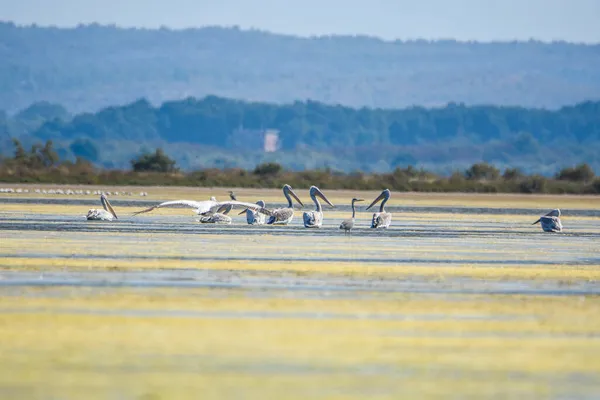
{"points": [[206, 208], [108, 214], [314, 219], [218, 217], [551, 221], [348, 224], [285, 215], [255, 217], [381, 219]]}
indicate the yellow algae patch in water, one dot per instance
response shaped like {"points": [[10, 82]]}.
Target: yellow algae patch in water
{"points": [[565, 273], [94, 352]]}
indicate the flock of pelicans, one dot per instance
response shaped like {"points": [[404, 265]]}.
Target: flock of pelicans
{"points": [[213, 211]]}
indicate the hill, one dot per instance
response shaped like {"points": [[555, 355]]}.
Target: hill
{"points": [[91, 67], [219, 132]]}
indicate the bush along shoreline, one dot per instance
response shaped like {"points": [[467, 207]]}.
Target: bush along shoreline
{"points": [[41, 164]]}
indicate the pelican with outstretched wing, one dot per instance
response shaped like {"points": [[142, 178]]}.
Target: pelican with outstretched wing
{"points": [[381, 219], [108, 214], [551, 221], [285, 215], [255, 217], [314, 219], [204, 208], [348, 224]]}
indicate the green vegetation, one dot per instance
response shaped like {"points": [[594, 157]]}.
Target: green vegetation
{"points": [[154, 162], [41, 164], [101, 66]]}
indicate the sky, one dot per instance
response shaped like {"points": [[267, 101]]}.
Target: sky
{"points": [[481, 20]]}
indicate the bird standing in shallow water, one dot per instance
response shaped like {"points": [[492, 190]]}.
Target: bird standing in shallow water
{"points": [[551, 221], [348, 224], [381, 219]]}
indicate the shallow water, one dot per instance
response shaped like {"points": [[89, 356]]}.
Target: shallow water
{"points": [[467, 300]]}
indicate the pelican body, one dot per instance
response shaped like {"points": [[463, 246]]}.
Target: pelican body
{"points": [[551, 221], [314, 219], [381, 219], [108, 214], [219, 217], [285, 215], [255, 217], [348, 224]]}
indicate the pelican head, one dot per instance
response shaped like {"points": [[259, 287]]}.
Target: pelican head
{"points": [[384, 195], [315, 191], [287, 191], [354, 200], [232, 195], [107, 206], [553, 213], [213, 198]]}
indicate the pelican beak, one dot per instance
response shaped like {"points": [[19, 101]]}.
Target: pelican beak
{"points": [[360, 199], [243, 211], [377, 200], [296, 197], [539, 219], [108, 207], [325, 199]]}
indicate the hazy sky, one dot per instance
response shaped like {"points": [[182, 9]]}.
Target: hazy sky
{"points": [[571, 20]]}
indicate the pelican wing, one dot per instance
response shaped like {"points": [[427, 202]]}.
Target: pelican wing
{"points": [[234, 203], [206, 206], [199, 205]]}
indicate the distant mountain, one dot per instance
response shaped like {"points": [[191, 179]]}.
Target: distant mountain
{"points": [[90, 67]]}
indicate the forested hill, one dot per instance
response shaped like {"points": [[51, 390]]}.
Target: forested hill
{"points": [[90, 67], [206, 132]]}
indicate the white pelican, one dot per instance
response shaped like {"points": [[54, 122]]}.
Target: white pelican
{"points": [[108, 214], [314, 219], [204, 208], [348, 224], [283, 216], [381, 219], [218, 217], [551, 221], [255, 217]]}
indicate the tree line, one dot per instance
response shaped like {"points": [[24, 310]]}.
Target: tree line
{"points": [[42, 164], [205, 133]]}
